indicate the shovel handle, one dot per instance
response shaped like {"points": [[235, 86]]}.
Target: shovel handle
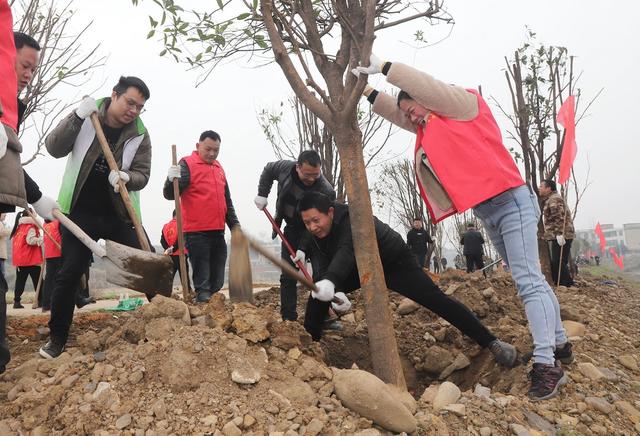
{"points": [[45, 231], [79, 233], [301, 266], [113, 166], [182, 261]]}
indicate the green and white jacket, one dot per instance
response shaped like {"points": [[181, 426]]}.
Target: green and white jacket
{"points": [[77, 139]]}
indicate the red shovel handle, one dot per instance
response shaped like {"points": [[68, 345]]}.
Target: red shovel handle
{"points": [[286, 243]]}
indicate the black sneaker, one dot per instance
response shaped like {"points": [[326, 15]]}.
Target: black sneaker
{"points": [[503, 353], [564, 354], [51, 350], [17, 305], [203, 296], [545, 381]]}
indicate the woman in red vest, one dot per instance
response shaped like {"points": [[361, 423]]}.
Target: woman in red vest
{"points": [[461, 163], [27, 255]]}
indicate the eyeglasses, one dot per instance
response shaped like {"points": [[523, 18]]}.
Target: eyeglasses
{"points": [[131, 104]]}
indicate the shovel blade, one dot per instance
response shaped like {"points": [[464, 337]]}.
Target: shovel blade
{"points": [[139, 270]]}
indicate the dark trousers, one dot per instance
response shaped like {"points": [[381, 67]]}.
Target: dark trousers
{"points": [[208, 254], [176, 268], [5, 355], [288, 286], [474, 262], [411, 282], [565, 273], [21, 279], [76, 258], [53, 266], [420, 257]]}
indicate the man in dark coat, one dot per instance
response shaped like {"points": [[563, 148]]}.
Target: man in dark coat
{"points": [[472, 241]]}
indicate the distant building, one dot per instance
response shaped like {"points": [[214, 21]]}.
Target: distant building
{"points": [[623, 239], [632, 236]]}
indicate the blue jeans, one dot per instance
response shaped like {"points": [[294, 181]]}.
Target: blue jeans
{"points": [[208, 254], [511, 220]]}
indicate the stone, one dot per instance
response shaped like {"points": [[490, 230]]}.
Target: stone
{"points": [[314, 427], [456, 409], [629, 362], [629, 411], [250, 322], [429, 339], [461, 361], [448, 393], [598, 429], [608, 374], [100, 356], [519, 430], [248, 421], [294, 353], [488, 293], [404, 397], [437, 359], [539, 423], [209, 420], [600, 404], [573, 328], [123, 422], [69, 381], [161, 307], [589, 370], [482, 391], [136, 377], [370, 397], [407, 306], [485, 431], [367, 432], [429, 394], [567, 421], [159, 409], [231, 429], [451, 289]]}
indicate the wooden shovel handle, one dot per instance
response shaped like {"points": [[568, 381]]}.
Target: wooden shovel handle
{"points": [[184, 279], [113, 166], [79, 233]]}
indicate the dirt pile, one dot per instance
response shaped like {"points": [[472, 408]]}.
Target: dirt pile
{"points": [[219, 368]]}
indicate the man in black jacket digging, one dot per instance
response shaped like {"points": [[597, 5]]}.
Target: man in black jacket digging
{"points": [[294, 180], [335, 269]]}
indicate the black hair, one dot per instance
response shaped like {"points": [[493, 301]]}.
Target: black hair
{"points": [[21, 39], [209, 134], [16, 223], [403, 95], [125, 82], [315, 200], [550, 184], [470, 224], [310, 157], [417, 219]]}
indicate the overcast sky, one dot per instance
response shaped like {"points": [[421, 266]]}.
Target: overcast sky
{"points": [[604, 37]]}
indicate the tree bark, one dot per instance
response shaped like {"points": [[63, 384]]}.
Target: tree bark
{"points": [[382, 339]]}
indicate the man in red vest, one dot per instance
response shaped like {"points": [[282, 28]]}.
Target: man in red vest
{"points": [[169, 241], [206, 208], [461, 163]]}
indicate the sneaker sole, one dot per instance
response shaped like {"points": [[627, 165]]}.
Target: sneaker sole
{"points": [[563, 381], [44, 354]]}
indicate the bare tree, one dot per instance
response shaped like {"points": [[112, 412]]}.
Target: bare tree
{"points": [[64, 62], [315, 44], [540, 78], [310, 133]]}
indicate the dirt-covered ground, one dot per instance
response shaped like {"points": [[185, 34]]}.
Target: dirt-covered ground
{"points": [[219, 368]]}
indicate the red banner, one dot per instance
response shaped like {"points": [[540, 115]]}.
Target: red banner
{"points": [[567, 117], [603, 241], [619, 260]]}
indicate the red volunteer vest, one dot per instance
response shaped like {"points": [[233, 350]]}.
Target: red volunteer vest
{"points": [[204, 206], [9, 82], [23, 253], [50, 249], [170, 233], [468, 157]]}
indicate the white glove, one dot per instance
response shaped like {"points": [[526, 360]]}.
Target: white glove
{"points": [[45, 206], [115, 176], [300, 256], [325, 290], [375, 66], [3, 141], [173, 172], [561, 240], [344, 306], [169, 251], [261, 202], [86, 107]]}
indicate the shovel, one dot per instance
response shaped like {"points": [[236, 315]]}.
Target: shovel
{"points": [[125, 266]]}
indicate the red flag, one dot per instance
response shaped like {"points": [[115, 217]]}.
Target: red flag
{"points": [[603, 241], [619, 260], [567, 117]]}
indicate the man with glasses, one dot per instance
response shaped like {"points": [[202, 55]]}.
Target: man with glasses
{"points": [[294, 179], [89, 191]]}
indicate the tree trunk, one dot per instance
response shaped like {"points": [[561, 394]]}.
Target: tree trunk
{"points": [[382, 339]]}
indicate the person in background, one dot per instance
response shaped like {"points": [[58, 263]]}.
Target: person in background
{"points": [[417, 240], [5, 231], [26, 240], [472, 241], [169, 241]]}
